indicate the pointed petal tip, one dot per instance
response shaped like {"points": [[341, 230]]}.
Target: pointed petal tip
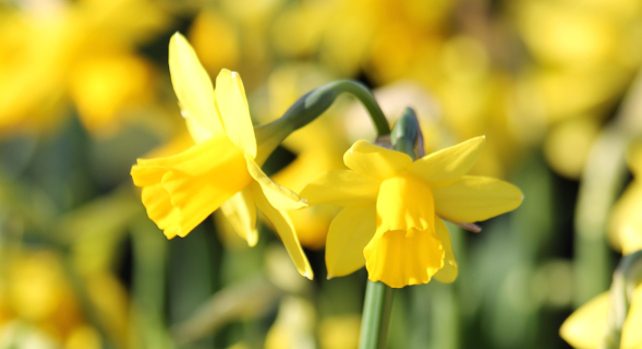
{"points": [[182, 234], [308, 274], [177, 38], [476, 141], [252, 240], [519, 195], [169, 235], [278, 196], [227, 73]]}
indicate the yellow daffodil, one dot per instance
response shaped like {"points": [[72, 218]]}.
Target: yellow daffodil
{"points": [[626, 221], [392, 208], [220, 169], [88, 44], [587, 327], [37, 301]]}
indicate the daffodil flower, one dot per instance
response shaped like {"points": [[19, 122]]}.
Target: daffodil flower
{"points": [[220, 170], [392, 210], [625, 230], [588, 326]]}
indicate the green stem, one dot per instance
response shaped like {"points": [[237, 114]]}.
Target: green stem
{"points": [[310, 106], [369, 102], [625, 279], [376, 316], [376, 309], [602, 180]]}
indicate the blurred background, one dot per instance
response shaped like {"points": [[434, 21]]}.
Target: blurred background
{"points": [[85, 90]]}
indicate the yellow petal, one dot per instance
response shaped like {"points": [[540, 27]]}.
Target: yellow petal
{"points": [[475, 198], [405, 249], [193, 89], [284, 229], [341, 187], [240, 211], [631, 334], [279, 196], [399, 260], [374, 161], [234, 111], [180, 191], [449, 272], [634, 158], [405, 203], [196, 159], [348, 234], [449, 163], [586, 327], [626, 221]]}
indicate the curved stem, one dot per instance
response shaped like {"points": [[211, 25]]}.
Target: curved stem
{"points": [[368, 100], [310, 106]]}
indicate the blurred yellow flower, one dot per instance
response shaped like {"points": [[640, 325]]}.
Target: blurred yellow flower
{"points": [[102, 88], [48, 49], [37, 303], [211, 26], [294, 325], [568, 144], [391, 210], [220, 169], [587, 327], [626, 220], [584, 55], [340, 331]]}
